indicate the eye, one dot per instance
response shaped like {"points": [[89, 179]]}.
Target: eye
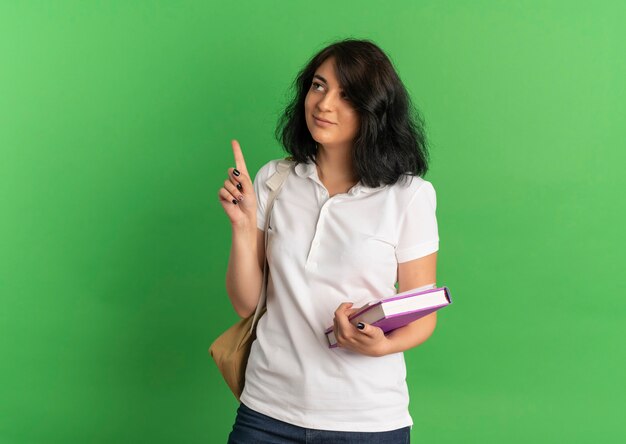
{"points": [[314, 85]]}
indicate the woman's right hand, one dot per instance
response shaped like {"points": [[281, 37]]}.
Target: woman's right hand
{"points": [[237, 196]]}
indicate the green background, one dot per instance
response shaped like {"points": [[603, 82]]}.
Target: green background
{"points": [[115, 127]]}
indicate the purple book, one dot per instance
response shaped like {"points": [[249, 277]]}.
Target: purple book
{"points": [[398, 311]]}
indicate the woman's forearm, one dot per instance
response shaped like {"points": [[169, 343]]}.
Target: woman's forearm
{"points": [[244, 276], [411, 335]]}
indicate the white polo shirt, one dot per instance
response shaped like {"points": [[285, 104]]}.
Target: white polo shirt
{"points": [[322, 252]]}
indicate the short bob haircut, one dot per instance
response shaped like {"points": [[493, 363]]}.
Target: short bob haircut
{"points": [[391, 140]]}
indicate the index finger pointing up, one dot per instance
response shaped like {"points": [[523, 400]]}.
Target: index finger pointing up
{"points": [[239, 161]]}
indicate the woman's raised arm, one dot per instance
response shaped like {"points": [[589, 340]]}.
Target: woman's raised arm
{"points": [[244, 274]]}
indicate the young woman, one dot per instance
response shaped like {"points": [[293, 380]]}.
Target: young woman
{"points": [[353, 218]]}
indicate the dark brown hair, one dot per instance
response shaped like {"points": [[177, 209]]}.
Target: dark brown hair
{"points": [[391, 140]]}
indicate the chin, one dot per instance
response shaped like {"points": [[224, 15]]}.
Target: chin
{"points": [[315, 135], [322, 140]]}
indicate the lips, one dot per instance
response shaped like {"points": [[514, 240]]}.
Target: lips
{"points": [[322, 120]]}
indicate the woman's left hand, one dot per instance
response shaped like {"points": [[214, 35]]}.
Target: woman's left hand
{"points": [[370, 340]]}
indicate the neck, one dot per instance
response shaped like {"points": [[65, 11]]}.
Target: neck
{"points": [[335, 165]]}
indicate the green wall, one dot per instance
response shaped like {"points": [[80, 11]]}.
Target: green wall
{"points": [[115, 127]]}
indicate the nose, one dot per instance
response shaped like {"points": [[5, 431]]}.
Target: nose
{"points": [[327, 102]]}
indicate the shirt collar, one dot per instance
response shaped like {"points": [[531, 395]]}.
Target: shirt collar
{"points": [[309, 170]]}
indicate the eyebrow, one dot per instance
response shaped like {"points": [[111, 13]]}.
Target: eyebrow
{"points": [[323, 80]]}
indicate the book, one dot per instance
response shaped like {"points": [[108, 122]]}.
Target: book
{"points": [[398, 310]]}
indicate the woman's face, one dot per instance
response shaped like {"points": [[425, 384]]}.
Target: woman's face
{"points": [[326, 101]]}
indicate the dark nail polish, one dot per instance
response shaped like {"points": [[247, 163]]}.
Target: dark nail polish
{"points": [[239, 187], [234, 201], [360, 325], [236, 172]]}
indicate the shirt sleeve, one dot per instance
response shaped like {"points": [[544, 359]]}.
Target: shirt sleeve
{"points": [[262, 191], [418, 233]]}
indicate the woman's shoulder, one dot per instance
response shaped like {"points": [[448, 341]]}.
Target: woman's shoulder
{"points": [[413, 190], [269, 168], [410, 184]]}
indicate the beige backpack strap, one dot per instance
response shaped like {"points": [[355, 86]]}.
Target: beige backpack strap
{"points": [[275, 183]]}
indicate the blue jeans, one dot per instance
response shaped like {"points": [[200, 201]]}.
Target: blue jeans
{"points": [[252, 427]]}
